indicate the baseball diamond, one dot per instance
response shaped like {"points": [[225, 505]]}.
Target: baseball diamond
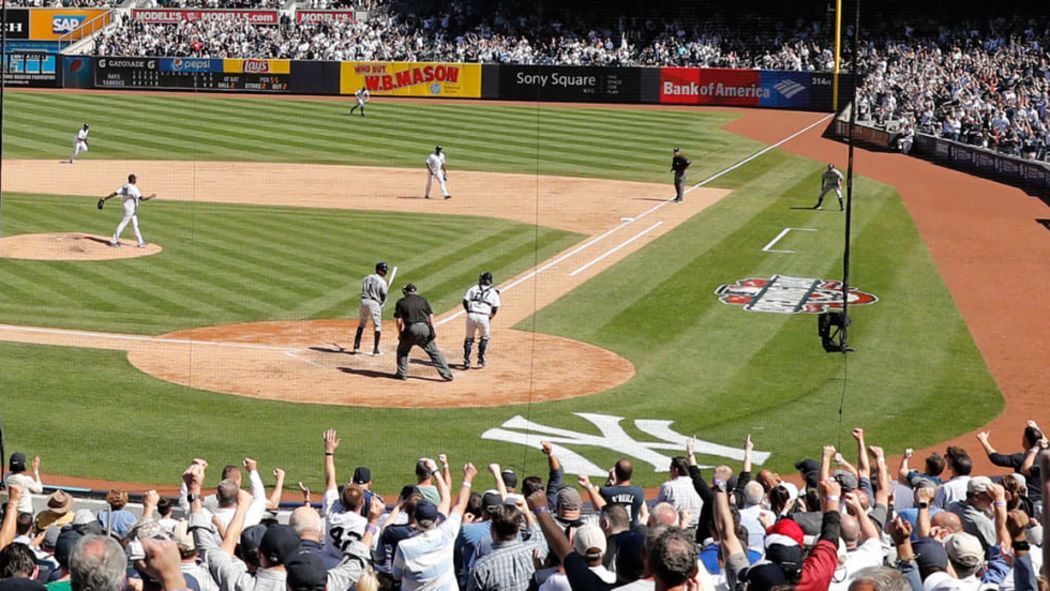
{"points": [[589, 266]]}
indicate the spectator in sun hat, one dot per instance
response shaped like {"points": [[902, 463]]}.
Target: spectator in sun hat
{"points": [[85, 523], [30, 483], [58, 512]]}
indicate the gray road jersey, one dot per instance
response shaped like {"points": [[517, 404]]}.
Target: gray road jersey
{"points": [[373, 287]]}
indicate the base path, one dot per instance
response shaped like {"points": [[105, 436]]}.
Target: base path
{"points": [[991, 251], [309, 361]]}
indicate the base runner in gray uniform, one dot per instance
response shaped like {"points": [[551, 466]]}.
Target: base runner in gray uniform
{"points": [[415, 327], [481, 303], [373, 297]]}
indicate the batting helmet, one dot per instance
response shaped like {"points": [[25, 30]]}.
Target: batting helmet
{"points": [[381, 268], [408, 288], [485, 278], [437, 148]]}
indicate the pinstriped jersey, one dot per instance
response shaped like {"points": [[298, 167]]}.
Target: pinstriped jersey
{"points": [[373, 287]]}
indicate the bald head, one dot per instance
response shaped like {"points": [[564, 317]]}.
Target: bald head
{"points": [[850, 530], [307, 523], [663, 514], [948, 520]]}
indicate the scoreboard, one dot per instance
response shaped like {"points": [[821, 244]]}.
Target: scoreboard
{"points": [[192, 74]]}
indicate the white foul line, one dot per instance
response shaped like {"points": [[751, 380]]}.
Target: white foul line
{"points": [[783, 233], [137, 338], [616, 248], [629, 221]]}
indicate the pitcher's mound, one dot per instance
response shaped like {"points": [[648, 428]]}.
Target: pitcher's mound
{"points": [[310, 361], [69, 246]]}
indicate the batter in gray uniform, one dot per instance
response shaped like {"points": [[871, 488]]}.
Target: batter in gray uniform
{"points": [[415, 327], [373, 297]]}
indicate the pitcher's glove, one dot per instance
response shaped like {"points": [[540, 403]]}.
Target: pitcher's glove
{"points": [[101, 202]]}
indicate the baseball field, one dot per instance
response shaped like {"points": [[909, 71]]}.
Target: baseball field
{"points": [[229, 336]]}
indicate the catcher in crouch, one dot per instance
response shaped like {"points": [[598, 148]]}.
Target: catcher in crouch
{"points": [[481, 303]]}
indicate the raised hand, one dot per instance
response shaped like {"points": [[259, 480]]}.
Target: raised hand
{"points": [[331, 441], [250, 464]]}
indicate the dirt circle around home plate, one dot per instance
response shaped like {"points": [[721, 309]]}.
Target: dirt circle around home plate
{"points": [[311, 362], [70, 246]]}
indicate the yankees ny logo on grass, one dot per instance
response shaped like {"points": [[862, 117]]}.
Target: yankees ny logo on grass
{"points": [[612, 436]]}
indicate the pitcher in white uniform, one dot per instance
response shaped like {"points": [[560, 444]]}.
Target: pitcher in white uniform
{"points": [[436, 170], [131, 196], [481, 303], [80, 142]]}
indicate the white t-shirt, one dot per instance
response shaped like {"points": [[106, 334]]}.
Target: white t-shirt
{"points": [[867, 554], [129, 192], [951, 491], [341, 527], [425, 562], [24, 480], [482, 299], [435, 162]]}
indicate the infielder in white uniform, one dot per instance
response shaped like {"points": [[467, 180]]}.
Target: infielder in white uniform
{"points": [[831, 180], [373, 297], [481, 303], [80, 142], [132, 197], [436, 170], [362, 97]]}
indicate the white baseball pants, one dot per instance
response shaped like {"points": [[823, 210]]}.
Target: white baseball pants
{"points": [[478, 323], [441, 181], [78, 147], [129, 216]]}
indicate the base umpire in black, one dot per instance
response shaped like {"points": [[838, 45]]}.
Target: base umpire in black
{"points": [[679, 164], [415, 327]]}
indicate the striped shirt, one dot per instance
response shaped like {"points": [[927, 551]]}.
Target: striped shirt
{"points": [[680, 493], [425, 562]]}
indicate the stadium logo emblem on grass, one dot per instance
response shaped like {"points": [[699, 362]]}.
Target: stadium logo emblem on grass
{"points": [[611, 436], [782, 294]]}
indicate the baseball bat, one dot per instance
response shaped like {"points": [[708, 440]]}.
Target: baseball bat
{"points": [[393, 275]]}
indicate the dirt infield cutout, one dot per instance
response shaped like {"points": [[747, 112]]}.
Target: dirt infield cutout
{"points": [[306, 361], [70, 246]]}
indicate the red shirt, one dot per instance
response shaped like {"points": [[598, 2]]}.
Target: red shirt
{"points": [[819, 567]]}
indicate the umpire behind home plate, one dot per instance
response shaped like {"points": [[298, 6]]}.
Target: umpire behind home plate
{"points": [[415, 326]]}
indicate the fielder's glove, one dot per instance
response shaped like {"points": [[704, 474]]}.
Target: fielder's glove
{"points": [[101, 202]]}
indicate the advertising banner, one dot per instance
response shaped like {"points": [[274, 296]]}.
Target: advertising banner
{"points": [[31, 69], [76, 71], [52, 24], [412, 79], [696, 86], [38, 46], [323, 16], [17, 23], [256, 66], [176, 15], [570, 83]]}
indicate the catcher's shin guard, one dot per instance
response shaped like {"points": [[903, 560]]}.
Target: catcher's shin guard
{"points": [[468, 344], [483, 345], [357, 337]]}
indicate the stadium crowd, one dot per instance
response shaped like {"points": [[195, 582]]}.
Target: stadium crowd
{"points": [[984, 84], [987, 86], [847, 526]]}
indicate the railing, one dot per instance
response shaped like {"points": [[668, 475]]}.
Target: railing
{"points": [[86, 29]]}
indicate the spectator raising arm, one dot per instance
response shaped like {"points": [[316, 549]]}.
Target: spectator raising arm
{"points": [[497, 475], [555, 475], [592, 491], [274, 500], [863, 466], [7, 528], [331, 443]]}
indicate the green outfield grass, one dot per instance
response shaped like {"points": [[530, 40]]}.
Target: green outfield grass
{"points": [[249, 263], [606, 143], [714, 369]]}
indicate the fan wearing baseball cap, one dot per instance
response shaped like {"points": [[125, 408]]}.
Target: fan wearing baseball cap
{"points": [[30, 484]]}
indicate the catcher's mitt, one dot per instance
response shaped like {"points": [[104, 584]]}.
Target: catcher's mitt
{"points": [[101, 202]]}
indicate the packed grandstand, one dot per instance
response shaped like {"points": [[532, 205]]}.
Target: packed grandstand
{"points": [[983, 83], [847, 520]]}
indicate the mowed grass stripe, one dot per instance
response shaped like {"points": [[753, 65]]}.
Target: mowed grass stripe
{"points": [[222, 263], [575, 142]]}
